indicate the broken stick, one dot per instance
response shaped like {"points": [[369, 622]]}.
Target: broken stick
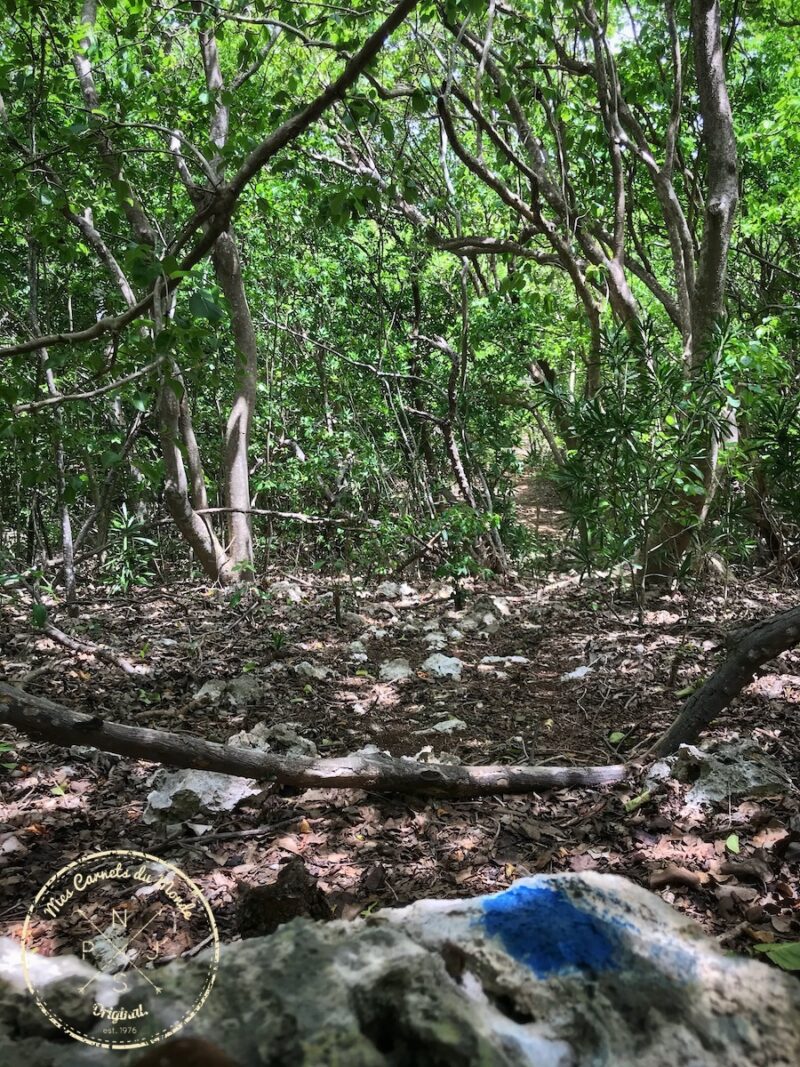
{"points": [[43, 719]]}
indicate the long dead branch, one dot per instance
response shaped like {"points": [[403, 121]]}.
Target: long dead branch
{"points": [[43, 719]]}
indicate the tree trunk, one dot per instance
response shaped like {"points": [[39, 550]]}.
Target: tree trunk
{"points": [[708, 298], [61, 472], [754, 647], [708, 295], [194, 529], [43, 719], [227, 265]]}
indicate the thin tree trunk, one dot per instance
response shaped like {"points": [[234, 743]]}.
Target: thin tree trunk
{"points": [[175, 418], [227, 265], [67, 548], [708, 295], [195, 530]]}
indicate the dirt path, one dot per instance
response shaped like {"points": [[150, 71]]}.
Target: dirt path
{"points": [[538, 506]]}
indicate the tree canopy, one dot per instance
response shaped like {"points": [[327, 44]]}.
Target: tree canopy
{"points": [[329, 275]]}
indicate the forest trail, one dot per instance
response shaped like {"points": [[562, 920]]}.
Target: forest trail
{"points": [[571, 676], [538, 506]]}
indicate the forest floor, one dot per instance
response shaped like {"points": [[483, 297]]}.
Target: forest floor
{"points": [[629, 670]]}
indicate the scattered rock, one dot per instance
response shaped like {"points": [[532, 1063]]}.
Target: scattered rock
{"points": [[556, 971], [285, 590], [384, 608], [505, 661], [435, 639], [446, 726], [282, 737], [211, 692], [493, 605], [393, 591], [246, 689], [579, 672], [395, 670], [732, 770], [427, 755], [310, 670], [374, 633], [443, 666], [486, 668], [483, 623], [181, 795]]}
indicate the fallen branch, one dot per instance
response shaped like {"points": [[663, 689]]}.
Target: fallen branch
{"points": [[753, 647], [89, 648], [41, 718]]}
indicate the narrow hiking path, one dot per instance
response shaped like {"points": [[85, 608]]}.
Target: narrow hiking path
{"points": [[539, 507]]}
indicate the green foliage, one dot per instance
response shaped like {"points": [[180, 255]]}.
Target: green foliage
{"points": [[129, 556], [356, 292], [785, 954]]}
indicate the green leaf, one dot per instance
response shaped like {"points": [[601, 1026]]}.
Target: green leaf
{"points": [[616, 737], [419, 101], [39, 615], [203, 305], [786, 955], [732, 844]]}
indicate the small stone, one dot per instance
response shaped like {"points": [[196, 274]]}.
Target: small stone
{"points": [[309, 670], [435, 640], [210, 692], [283, 737], [447, 726], [373, 633], [728, 771], [494, 605], [182, 795], [579, 672], [443, 666], [505, 660], [246, 689], [395, 670], [285, 590], [388, 591]]}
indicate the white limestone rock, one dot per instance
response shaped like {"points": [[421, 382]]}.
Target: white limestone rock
{"points": [[395, 670], [443, 666], [566, 970]]}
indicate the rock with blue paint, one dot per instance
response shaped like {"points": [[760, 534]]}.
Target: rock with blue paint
{"points": [[573, 970]]}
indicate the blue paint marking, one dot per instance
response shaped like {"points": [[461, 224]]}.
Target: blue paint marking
{"points": [[542, 928]]}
